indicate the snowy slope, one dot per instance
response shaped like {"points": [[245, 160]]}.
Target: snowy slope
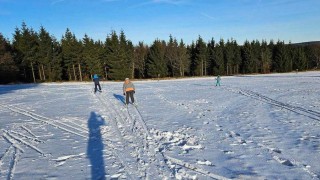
{"points": [[252, 127]]}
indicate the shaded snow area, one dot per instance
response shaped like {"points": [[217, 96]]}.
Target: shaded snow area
{"points": [[252, 127]]}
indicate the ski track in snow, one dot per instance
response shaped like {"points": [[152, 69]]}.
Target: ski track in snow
{"points": [[10, 159], [6, 153], [158, 161], [121, 153], [28, 130], [314, 115], [60, 125], [274, 152], [57, 124], [15, 141], [24, 142], [13, 164], [12, 154], [142, 156], [150, 142]]}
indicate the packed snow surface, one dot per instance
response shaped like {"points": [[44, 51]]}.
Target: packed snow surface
{"points": [[252, 127]]}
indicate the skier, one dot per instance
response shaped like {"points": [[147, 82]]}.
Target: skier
{"points": [[96, 83], [218, 79], [128, 91]]}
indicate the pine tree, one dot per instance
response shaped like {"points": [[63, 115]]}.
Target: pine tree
{"points": [[56, 63], [265, 57], [119, 52], [300, 59], [228, 57], [313, 56], [237, 57], [291, 51], [25, 44], [45, 53], [183, 59], [112, 54], [281, 58], [71, 54], [255, 55], [171, 56], [201, 62], [219, 58], [126, 57], [192, 55], [211, 57], [156, 64], [247, 58], [8, 69], [91, 55], [140, 59]]}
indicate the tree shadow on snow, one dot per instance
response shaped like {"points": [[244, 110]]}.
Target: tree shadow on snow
{"points": [[4, 89], [208, 85], [95, 147], [119, 97], [293, 76], [237, 174]]}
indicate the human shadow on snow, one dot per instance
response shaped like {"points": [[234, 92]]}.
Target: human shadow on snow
{"points": [[119, 97], [95, 147]]}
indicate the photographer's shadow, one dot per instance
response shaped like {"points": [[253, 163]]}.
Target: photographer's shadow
{"points": [[96, 146]]}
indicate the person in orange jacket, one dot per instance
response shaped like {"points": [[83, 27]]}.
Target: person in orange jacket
{"points": [[128, 90]]}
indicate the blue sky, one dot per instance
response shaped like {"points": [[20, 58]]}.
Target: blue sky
{"points": [[146, 20]]}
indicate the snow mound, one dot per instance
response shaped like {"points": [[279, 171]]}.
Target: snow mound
{"points": [[177, 139], [205, 162]]}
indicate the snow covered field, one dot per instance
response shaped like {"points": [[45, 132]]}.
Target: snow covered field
{"points": [[252, 127]]}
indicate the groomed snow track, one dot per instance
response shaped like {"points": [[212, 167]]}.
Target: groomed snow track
{"points": [[314, 115], [136, 125]]}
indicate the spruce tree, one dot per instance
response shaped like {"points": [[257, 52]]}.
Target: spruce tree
{"points": [[237, 57], [25, 44], [156, 64], [228, 57], [313, 56], [71, 55], [140, 59], [300, 59], [212, 65], [265, 57], [201, 62], [247, 58], [91, 56], [56, 72], [8, 69], [45, 54], [130, 62], [183, 59], [171, 56], [119, 52], [219, 58], [255, 56], [193, 62], [281, 58]]}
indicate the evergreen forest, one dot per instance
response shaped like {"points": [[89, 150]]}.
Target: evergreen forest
{"points": [[37, 56]]}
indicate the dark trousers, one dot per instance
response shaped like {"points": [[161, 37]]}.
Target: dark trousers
{"points": [[129, 94], [96, 85]]}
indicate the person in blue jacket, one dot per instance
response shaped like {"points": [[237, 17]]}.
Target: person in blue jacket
{"points": [[96, 83], [218, 79]]}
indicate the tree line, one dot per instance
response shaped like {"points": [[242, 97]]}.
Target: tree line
{"points": [[37, 56]]}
